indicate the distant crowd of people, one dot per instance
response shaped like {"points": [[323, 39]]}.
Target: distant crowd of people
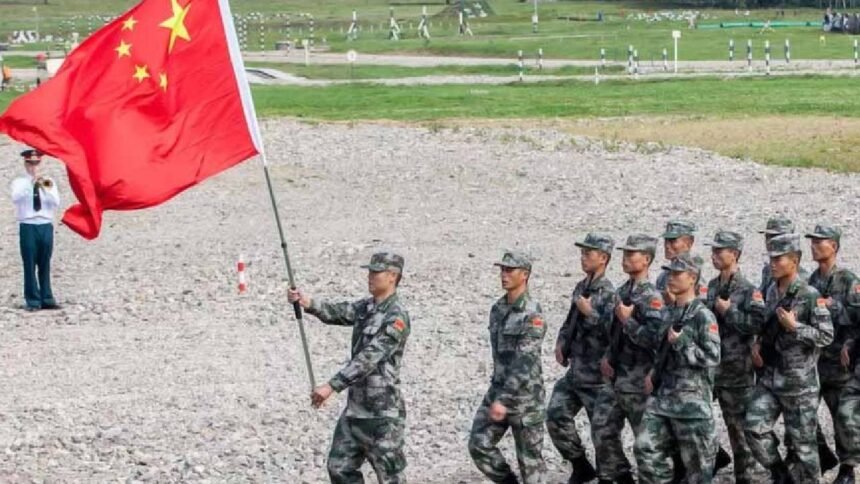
{"points": [[841, 22]]}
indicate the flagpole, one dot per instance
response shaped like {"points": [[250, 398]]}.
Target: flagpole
{"points": [[297, 308], [254, 131]]}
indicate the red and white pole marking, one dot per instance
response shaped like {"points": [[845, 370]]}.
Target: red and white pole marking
{"points": [[243, 283]]}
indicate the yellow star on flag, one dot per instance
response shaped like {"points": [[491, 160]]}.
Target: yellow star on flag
{"points": [[176, 24], [128, 24], [162, 81], [140, 73], [123, 49]]}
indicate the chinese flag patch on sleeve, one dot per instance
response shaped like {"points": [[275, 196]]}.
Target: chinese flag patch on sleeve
{"points": [[703, 290], [656, 303], [714, 328], [399, 325], [857, 289], [537, 322], [757, 296], [821, 302]]}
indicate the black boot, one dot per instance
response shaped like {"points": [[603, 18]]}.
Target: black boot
{"points": [[846, 475], [582, 471], [723, 460], [511, 479], [779, 473], [678, 470], [826, 458], [626, 478]]}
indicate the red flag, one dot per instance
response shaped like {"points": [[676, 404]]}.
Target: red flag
{"points": [[151, 104]]}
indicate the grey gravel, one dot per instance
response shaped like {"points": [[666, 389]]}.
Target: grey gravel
{"points": [[156, 370]]}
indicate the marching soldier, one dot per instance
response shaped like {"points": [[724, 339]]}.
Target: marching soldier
{"points": [[739, 309], [371, 427], [515, 399], [637, 320], [836, 285], [776, 226], [581, 343], [797, 327], [678, 239], [679, 415]]}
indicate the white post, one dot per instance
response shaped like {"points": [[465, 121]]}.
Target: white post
{"points": [[540, 59], [787, 51], [665, 61], [520, 62], [535, 19], [676, 34], [602, 57], [731, 50], [749, 55], [767, 57]]}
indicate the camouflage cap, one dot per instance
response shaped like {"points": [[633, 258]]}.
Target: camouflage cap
{"points": [[783, 244], [685, 262], [679, 228], [825, 232], [725, 239], [515, 260], [601, 242], [384, 261], [641, 243], [778, 226]]}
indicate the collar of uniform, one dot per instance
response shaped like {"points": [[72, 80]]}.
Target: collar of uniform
{"points": [[519, 304], [794, 287], [383, 306]]}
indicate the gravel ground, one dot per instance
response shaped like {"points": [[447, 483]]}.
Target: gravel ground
{"points": [[156, 369]]}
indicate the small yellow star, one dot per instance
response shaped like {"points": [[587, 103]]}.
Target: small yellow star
{"points": [[140, 73], [162, 81], [128, 24], [176, 24], [123, 49]]}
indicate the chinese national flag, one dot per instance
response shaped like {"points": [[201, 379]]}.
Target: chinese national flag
{"points": [[151, 104]]}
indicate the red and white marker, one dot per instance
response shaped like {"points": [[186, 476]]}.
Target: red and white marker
{"points": [[243, 284]]}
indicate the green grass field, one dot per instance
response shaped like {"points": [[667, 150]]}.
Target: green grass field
{"points": [[499, 35]]}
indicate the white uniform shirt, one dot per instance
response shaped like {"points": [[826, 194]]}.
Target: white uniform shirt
{"points": [[22, 197]]}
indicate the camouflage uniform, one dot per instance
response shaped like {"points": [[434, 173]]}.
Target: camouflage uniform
{"points": [[371, 426], [583, 341], [676, 229], [631, 354], [849, 402], [679, 416], [838, 284], [735, 377], [789, 380], [516, 334]]}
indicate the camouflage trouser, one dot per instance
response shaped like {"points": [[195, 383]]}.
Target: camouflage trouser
{"points": [[733, 403], [379, 440], [831, 393], [611, 409], [528, 431], [566, 401], [800, 414], [849, 425], [660, 437]]}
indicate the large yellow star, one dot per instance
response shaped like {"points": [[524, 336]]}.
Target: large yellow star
{"points": [[128, 24], [123, 49], [162, 81], [140, 73], [176, 24]]}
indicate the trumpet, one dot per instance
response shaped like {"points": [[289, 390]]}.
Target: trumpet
{"points": [[45, 182]]}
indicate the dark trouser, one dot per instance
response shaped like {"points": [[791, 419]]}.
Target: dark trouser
{"points": [[37, 244], [377, 440]]}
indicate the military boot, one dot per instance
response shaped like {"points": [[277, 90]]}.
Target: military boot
{"points": [[678, 470], [826, 458], [510, 479], [582, 471], [779, 473], [846, 475], [723, 460]]}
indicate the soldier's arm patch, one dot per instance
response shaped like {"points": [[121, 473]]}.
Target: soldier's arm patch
{"points": [[857, 289], [399, 325], [714, 328], [757, 296], [821, 302], [656, 303], [703, 291], [537, 322]]}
